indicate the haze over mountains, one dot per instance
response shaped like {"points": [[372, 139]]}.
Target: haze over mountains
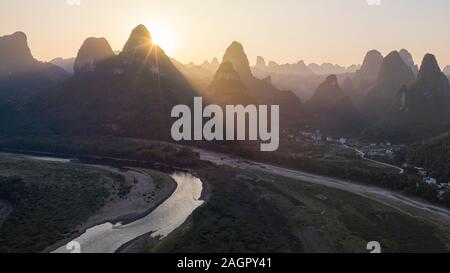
{"points": [[394, 73], [123, 93], [126, 94], [93, 50], [235, 83], [21, 76], [333, 108]]}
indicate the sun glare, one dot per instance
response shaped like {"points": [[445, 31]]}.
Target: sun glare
{"points": [[164, 36]]}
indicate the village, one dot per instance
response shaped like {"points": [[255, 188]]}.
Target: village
{"points": [[382, 153]]}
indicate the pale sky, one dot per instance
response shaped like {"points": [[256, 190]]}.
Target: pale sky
{"points": [[337, 31]]}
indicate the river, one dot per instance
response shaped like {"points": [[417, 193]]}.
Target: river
{"points": [[108, 238]]}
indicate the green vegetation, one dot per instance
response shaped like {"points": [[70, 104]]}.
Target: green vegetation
{"points": [[234, 220], [434, 155], [257, 212], [137, 149], [342, 167], [50, 200]]}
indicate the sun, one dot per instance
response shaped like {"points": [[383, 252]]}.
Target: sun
{"points": [[164, 36]]}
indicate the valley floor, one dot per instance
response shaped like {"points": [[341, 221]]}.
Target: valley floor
{"points": [[256, 207], [149, 189], [254, 210], [58, 201], [381, 195]]}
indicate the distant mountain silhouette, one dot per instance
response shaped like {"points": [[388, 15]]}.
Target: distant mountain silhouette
{"points": [[429, 96], [394, 74], [409, 61], [92, 51], [293, 113], [260, 62], [15, 54], [228, 88], [21, 76], [235, 54], [66, 64], [348, 87], [198, 76], [368, 73], [260, 89], [296, 76], [333, 108], [211, 66], [446, 70], [327, 69], [130, 94], [234, 83], [365, 77], [353, 68], [273, 68], [140, 41], [421, 109]]}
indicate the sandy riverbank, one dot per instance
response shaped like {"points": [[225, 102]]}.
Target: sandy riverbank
{"points": [[149, 189], [142, 243]]}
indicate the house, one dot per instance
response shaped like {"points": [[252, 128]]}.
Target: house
{"points": [[375, 153], [389, 152], [317, 136], [330, 139], [430, 180], [306, 134], [421, 171], [442, 190]]}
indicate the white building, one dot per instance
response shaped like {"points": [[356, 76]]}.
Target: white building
{"points": [[430, 180], [317, 137]]}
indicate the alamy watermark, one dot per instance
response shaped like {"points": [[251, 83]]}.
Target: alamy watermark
{"points": [[236, 125], [73, 2], [373, 2], [374, 247]]}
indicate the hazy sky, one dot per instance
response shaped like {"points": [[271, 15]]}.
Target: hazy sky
{"points": [[338, 31]]}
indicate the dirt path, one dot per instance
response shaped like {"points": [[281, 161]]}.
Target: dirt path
{"points": [[411, 206], [363, 156]]}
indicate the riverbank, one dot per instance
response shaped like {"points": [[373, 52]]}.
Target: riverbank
{"points": [[409, 205], [146, 241], [172, 213], [149, 189]]}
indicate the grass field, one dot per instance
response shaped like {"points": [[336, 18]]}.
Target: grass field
{"points": [[49, 200], [255, 212]]}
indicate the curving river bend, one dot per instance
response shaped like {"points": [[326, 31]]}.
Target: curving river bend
{"points": [[172, 213]]}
